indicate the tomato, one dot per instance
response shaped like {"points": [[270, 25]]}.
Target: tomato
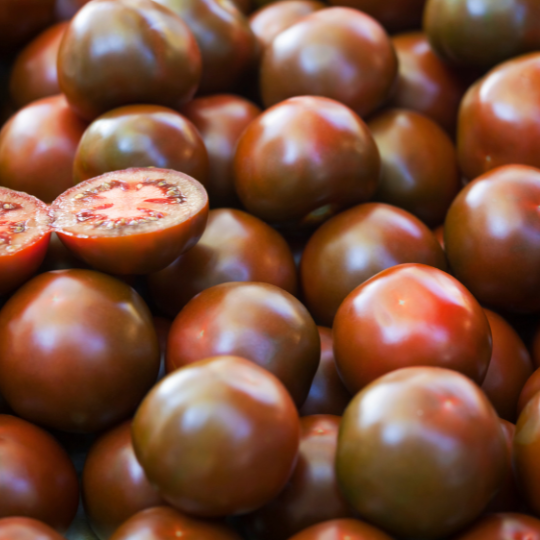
{"points": [[420, 452], [327, 394], [220, 120], [37, 148], [304, 160], [492, 238], [503, 527], [354, 246], [410, 315], [329, 53], [530, 388], [499, 118], [438, 232], [134, 221], [114, 486], [117, 52], [37, 478], [58, 257], [85, 333], [140, 136], [229, 425], [235, 246], [22, 528], [341, 529], [65, 9], [311, 495]]}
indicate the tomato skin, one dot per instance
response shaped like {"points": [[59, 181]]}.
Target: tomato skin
{"points": [[235, 414], [492, 223], [341, 529], [114, 486], [37, 478], [100, 347], [22, 528], [531, 387], [293, 64], [37, 148], [503, 526], [257, 321], [235, 246], [140, 136], [423, 474], [354, 246], [66, 9], [159, 61], [498, 118]]}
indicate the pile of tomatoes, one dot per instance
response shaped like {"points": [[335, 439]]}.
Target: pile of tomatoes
{"points": [[270, 270]]}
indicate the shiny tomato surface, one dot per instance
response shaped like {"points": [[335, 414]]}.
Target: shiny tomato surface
{"points": [[22, 528], [341, 529]]}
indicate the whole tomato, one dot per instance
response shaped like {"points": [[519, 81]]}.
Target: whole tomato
{"points": [[229, 425], [341, 529], [85, 333], [507, 526], [410, 315], [22, 528], [420, 452]]}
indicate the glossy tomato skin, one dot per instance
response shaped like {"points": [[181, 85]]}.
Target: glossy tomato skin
{"points": [[503, 526], [162, 523], [270, 20], [37, 478], [146, 54], [257, 321], [220, 120], [140, 136], [419, 170], [37, 148], [493, 223], [114, 485], [341, 529], [235, 414], [410, 315], [224, 37], [498, 118], [425, 83], [426, 432], [483, 33], [354, 246], [100, 348], [235, 246], [304, 160], [312, 494], [327, 394], [23, 528], [509, 368], [33, 75], [353, 43]]}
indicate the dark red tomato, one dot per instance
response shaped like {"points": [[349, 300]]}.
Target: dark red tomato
{"points": [[438, 232], [509, 368], [33, 75], [227, 44], [419, 170], [114, 486], [492, 238], [134, 221], [65, 9], [394, 15], [21, 528], [118, 52], [425, 83], [421, 452], [21, 20], [341, 529], [327, 394], [311, 495], [235, 246], [506, 526], [167, 524], [484, 32], [37, 148], [304, 160], [329, 53], [270, 20], [37, 478], [85, 333], [410, 315], [531, 387], [257, 321], [229, 425], [141, 136], [354, 246], [499, 118]]}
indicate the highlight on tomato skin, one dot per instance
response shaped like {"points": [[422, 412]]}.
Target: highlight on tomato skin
{"points": [[134, 221]]}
